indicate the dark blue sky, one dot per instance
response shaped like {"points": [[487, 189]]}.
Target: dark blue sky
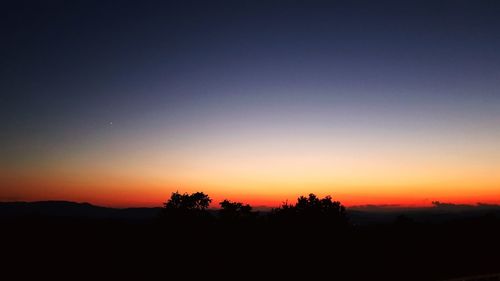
{"points": [[79, 74]]}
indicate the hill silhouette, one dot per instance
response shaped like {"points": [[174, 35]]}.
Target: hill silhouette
{"points": [[72, 209]]}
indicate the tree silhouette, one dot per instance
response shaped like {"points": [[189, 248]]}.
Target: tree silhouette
{"points": [[198, 201], [235, 211], [187, 208], [312, 210]]}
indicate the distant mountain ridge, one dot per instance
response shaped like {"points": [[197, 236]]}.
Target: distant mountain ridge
{"points": [[73, 209], [358, 215]]}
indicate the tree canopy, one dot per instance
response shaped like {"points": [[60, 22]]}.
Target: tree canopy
{"points": [[197, 201], [312, 210], [232, 211]]}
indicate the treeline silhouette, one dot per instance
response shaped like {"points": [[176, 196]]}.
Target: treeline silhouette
{"points": [[309, 238], [190, 210]]}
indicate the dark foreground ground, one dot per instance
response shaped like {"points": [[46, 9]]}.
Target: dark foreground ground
{"points": [[118, 246]]}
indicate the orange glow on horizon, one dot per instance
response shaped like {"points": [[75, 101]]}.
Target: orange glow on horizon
{"points": [[260, 170], [116, 193]]}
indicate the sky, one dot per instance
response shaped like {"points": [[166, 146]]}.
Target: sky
{"points": [[372, 102]]}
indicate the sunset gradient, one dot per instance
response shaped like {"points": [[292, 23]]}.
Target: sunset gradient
{"points": [[257, 104]]}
